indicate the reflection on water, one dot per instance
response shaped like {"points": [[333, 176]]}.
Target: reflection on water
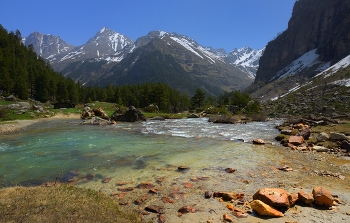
{"points": [[134, 152]]}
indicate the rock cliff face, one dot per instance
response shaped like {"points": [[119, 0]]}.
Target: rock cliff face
{"points": [[323, 25]]}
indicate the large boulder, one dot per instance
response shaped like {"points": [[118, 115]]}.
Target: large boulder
{"points": [[337, 136], [10, 98], [322, 197], [345, 145], [131, 115], [275, 197], [100, 113], [24, 105]]}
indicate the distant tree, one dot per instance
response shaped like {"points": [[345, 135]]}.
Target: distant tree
{"points": [[240, 99], [198, 98]]}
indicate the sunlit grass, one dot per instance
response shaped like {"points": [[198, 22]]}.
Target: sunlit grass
{"points": [[60, 204]]}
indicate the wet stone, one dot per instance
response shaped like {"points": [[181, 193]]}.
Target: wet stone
{"points": [[207, 194], [186, 209], [182, 168], [230, 170], [106, 180], [146, 185], [154, 209]]}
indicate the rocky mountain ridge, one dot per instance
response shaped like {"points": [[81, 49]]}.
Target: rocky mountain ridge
{"points": [[318, 31], [316, 40], [178, 60], [113, 47]]}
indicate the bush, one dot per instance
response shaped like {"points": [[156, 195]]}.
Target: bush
{"points": [[4, 113]]}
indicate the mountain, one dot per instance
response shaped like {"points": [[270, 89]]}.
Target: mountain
{"points": [[106, 44], [317, 37], [246, 58], [174, 59], [106, 59], [46, 45]]}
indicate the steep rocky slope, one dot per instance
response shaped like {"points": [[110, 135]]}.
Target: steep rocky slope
{"points": [[320, 27]]}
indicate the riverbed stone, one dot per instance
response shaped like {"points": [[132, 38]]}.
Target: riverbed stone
{"points": [[337, 136], [293, 198], [322, 197], [155, 209], [296, 140], [275, 197], [322, 137], [259, 141], [305, 197], [186, 209], [227, 196], [227, 218], [305, 133], [320, 149], [345, 145], [263, 209]]}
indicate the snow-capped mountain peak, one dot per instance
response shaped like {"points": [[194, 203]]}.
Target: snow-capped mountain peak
{"points": [[246, 58], [46, 45]]}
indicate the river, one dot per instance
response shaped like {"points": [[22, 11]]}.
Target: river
{"points": [[132, 153]]}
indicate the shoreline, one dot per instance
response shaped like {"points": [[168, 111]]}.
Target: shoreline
{"points": [[14, 126]]}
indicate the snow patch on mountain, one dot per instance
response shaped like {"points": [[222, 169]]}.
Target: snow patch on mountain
{"points": [[308, 59], [185, 43], [336, 67], [246, 59]]}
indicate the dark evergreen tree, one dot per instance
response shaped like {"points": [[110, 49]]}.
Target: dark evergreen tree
{"points": [[198, 98]]}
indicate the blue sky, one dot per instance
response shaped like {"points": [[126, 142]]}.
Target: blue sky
{"points": [[224, 24]]}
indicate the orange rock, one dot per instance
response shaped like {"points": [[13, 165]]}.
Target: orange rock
{"points": [[322, 197], [167, 200], [240, 214], [227, 218], [293, 198], [230, 207], [227, 196], [273, 196], [188, 185], [305, 197], [296, 140], [263, 209]]}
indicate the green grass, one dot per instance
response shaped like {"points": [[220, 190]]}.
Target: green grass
{"points": [[63, 203]]}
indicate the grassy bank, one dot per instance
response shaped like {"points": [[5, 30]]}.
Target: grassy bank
{"points": [[60, 204]]}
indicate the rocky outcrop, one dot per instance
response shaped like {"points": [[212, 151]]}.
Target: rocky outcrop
{"points": [[89, 113], [131, 115], [321, 25]]}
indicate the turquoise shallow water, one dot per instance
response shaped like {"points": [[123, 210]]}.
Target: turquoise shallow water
{"points": [[51, 148]]}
